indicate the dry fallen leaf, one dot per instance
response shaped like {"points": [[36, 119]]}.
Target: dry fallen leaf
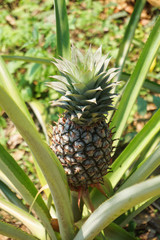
{"points": [[11, 20], [155, 3], [14, 140]]}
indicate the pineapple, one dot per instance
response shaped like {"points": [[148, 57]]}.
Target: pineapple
{"points": [[82, 139]]}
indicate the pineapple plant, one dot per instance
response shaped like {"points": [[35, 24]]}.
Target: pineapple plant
{"points": [[82, 139]]}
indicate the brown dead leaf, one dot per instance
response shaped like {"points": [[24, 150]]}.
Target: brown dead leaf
{"points": [[155, 3], [14, 140], [55, 225], [18, 154], [11, 20], [144, 21], [120, 7], [129, 9]]}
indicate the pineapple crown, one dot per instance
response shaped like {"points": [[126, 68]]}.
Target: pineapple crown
{"points": [[85, 85]]}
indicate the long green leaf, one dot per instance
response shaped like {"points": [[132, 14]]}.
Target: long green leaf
{"points": [[144, 169], [14, 233], [39, 109], [115, 232], [9, 84], [128, 36], [48, 162], [134, 85], [108, 211], [28, 59], [7, 81], [147, 151], [42, 179], [62, 29], [134, 148], [126, 218], [44, 152], [11, 196], [150, 85], [28, 220], [25, 187]]}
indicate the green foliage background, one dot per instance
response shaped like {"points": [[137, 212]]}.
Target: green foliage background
{"points": [[27, 28]]}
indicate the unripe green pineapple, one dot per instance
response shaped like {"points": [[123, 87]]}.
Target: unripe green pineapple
{"points": [[82, 139]]}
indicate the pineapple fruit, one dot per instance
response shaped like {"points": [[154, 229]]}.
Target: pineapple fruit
{"points": [[82, 139]]}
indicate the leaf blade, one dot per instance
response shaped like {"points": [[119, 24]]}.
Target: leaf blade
{"points": [[117, 205], [28, 220], [51, 167], [134, 148], [25, 187], [137, 78], [128, 36], [62, 29], [14, 233]]}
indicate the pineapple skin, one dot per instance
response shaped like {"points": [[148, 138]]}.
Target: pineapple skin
{"points": [[84, 151]]}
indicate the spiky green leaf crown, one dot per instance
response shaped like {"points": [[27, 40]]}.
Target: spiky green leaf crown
{"points": [[85, 85]]}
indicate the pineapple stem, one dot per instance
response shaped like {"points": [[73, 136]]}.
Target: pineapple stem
{"points": [[87, 200], [100, 188]]}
